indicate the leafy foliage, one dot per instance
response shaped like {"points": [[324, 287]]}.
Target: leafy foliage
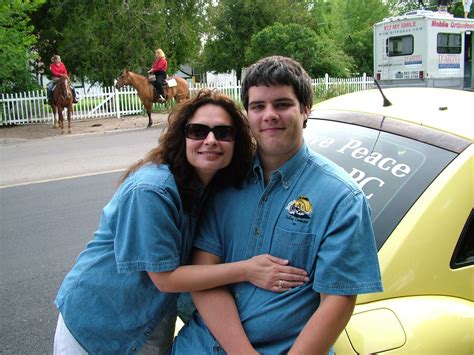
{"points": [[233, 22], [97, 39], [298, 42], [17, 39], [347, 25]]}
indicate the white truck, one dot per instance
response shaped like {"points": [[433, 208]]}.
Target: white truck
{"points": [[424, 48]]}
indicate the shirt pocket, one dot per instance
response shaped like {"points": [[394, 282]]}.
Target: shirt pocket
{"points": [[297, 247]]}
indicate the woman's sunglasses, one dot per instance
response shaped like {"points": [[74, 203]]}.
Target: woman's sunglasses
{"points": [[199, 131]]}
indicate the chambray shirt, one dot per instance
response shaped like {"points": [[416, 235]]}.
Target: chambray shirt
{"points": [[108, 302], [311, 213]]}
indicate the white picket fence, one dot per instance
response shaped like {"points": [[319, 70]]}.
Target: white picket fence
{"points": [[31, 107]]}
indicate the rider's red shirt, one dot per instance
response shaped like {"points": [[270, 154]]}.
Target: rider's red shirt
{"points": [[160, 65], [57, 69]]}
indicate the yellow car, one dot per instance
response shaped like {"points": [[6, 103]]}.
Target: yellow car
{"points": [[413, 157]]}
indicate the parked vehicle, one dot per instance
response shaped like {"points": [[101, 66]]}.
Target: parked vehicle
{"points": [[424, 48], [414, 161]]}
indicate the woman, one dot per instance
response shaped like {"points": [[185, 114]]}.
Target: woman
{"points": [[116, 296], [159, 69], [57, 69]]}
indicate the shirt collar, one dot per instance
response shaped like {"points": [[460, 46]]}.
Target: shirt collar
{"points": [[288, 172]]}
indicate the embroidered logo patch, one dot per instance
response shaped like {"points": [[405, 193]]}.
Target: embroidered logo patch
{"points": [[300, 208]]}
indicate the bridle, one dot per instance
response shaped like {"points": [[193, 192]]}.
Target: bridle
{"points": [[65, 91]]}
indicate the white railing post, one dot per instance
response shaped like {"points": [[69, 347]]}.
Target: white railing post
{"points": [[117, 101]]}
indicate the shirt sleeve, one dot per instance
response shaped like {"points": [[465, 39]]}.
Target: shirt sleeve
{"points": [[147, 234], [347, 262], [65, 70], [54, 71], [208, 235]]}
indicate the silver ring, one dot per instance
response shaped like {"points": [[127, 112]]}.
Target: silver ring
{"points": [[280, 284]]}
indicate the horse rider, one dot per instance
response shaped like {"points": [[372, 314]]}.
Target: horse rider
{"points": [[57, 69], [467, 7], [159, 69]]}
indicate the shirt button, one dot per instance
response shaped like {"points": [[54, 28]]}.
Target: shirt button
{"points": [[133, 349], [147, 333], [265, 199], [257, 231]]}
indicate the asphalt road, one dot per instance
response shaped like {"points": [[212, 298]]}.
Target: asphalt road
{"points": [[51, 195], [64, 156]]}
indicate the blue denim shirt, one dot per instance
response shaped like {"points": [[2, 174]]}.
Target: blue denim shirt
{"points": [[108, 302], [311, 213]]}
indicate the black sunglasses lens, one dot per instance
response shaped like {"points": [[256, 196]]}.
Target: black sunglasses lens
{"points": [[224, 133], [200, 131], [197, 131]]}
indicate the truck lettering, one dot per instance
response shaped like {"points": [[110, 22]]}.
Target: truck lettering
{"points": [[438, 23], [463, 25], [413, 60], [409, 24], [449, 62], [449, 58]]}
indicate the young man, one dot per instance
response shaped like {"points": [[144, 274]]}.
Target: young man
{"points": [[296, 205]]}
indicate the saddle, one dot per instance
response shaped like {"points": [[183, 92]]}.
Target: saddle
{"points": [[171, 82]]}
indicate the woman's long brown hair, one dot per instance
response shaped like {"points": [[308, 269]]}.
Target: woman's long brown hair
{"points": [[172, 148]]}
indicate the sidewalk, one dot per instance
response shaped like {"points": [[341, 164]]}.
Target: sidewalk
{"points": [[11, 134]]}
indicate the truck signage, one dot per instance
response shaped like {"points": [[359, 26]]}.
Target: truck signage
{"points": [[451, 62]]}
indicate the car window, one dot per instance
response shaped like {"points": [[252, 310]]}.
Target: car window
{"points": [[393, 171], [464, 252]]}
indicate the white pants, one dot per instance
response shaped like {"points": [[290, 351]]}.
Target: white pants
{"points": [[64, 342], [467, 5], [161, 338]]}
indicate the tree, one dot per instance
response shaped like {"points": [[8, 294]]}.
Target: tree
{"points": [[347, 27], [233, 22], [294, 41], [97, 39], [300, 43], [17, 53]]}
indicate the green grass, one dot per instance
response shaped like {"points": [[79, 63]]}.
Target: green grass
{"points": [[320, 93]]}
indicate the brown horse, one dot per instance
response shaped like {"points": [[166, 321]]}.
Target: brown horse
{"points": [[147, 92], [62, 98]]}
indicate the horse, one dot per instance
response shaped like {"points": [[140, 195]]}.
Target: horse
{"points": [[62, 98], [147, 93]]}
